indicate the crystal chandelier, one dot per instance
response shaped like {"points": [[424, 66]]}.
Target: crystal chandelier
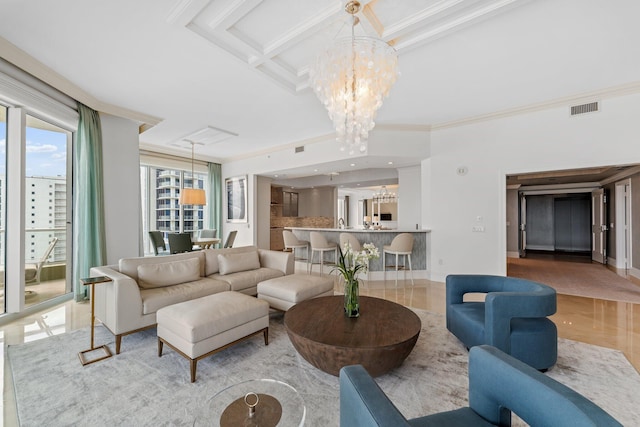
{"points": [[351, 79], [384, 196]]}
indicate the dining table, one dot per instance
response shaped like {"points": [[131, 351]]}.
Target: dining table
{"points": [[205, 242]]}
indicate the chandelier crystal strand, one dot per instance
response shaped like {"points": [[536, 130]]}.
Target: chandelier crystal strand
{"points": [[351, 79]]}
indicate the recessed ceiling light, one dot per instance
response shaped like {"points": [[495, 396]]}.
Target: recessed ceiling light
{"points": [[315, 170], [353, 164], [276, 175], [358, 185], [390, 163]]}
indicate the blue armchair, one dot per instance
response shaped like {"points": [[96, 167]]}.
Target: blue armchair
{"points": [[512, 318], [498, 385]]}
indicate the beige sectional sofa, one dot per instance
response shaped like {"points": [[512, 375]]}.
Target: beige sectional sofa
{"points": [[141, 286]]}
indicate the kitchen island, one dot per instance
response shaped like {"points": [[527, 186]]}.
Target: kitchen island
{"points": [[379, 238]]}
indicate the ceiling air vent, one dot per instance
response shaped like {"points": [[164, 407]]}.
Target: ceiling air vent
{"points": [[300, 149], [584, 108]]}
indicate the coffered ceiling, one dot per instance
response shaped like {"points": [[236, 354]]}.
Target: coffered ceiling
{"points": [[232, 74], [280, 38]]}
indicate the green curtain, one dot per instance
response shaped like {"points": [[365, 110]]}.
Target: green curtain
{"points": [[88, 204], [214, 198]]}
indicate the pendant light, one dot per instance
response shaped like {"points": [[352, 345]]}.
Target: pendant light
{"points": [[192, 196]]}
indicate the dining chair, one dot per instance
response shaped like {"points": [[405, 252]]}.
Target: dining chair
{"points": [[208, 233], [231, 237], [157, 241], [180, 242]]}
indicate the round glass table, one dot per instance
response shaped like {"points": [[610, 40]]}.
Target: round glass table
{"points": [[261, 402]]}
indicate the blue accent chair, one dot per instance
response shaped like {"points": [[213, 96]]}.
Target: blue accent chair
{"points": [[512, 318], [498, 385]]}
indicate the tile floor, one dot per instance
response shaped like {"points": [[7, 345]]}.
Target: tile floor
{"points": [[606, 323]]}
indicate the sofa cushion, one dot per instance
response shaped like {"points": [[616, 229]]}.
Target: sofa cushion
{"points": [[156, 298], [168, 273], [211, 257], [129, 266], [233, 263], [248, 279]]}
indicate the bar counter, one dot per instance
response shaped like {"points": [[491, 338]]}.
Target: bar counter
{"points": [[379, 238]]}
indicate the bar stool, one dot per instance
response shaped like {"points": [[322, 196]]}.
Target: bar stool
{"points": [[319, 244], [292, 242], [402, 244], [355, 244], [351, 239]]}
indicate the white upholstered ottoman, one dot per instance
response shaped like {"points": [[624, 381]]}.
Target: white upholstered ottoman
{"points": [[284, 292], [204, 326]]}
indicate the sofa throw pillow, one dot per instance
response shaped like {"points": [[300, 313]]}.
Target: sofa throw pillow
{"points": [[232, 263], [163, 274]]}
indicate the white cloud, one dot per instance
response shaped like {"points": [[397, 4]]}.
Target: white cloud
{"points": [[40, 148]]}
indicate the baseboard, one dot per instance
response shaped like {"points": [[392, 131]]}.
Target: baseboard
{"points": [[541, 247], [513, 254]]}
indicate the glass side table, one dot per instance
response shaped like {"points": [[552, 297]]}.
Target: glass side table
{"points": [[261, 402]]}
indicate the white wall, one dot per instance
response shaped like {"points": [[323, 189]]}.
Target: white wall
{"points": [[539, 141], [122, 200], [409, 198], [263, 234]]}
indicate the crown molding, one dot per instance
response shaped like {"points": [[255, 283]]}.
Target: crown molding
{"points": [[610, 92], [402, 127], [622, 175], [21, 59]]}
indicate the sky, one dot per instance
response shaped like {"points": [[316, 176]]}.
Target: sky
{"points": [[46, 152]]}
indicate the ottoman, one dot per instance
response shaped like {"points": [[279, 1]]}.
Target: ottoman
{"points": [[204, 326], [284, 292]]}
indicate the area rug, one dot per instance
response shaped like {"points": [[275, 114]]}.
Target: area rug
{"points": [[137, 388], [574, 278]]}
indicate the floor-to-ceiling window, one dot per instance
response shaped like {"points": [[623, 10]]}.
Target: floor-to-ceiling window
{"points": [[37, 125], [161, 210], [47, 219], [3, 192]]}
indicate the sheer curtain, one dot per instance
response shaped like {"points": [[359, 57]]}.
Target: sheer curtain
{"points": [[88, 205], [215, 197]]}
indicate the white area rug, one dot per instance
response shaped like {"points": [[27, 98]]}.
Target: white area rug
{"points": [[137, 388]]}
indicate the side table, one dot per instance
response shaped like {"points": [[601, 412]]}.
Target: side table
{"points": [[93, 281]]}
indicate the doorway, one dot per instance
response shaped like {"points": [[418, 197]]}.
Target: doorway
{"points": [[555, 224]]}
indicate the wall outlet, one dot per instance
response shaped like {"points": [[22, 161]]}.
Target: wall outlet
{"points": [[478, 229]]}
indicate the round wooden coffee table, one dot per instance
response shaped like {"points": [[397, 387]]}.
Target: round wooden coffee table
{"points": [[380, 339]]}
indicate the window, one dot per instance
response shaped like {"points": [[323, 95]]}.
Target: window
{"points": [[161, 210]]}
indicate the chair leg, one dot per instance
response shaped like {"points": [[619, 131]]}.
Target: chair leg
{"points": [[384, 266], [410, 270], [404, 268], [396, 269]]}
